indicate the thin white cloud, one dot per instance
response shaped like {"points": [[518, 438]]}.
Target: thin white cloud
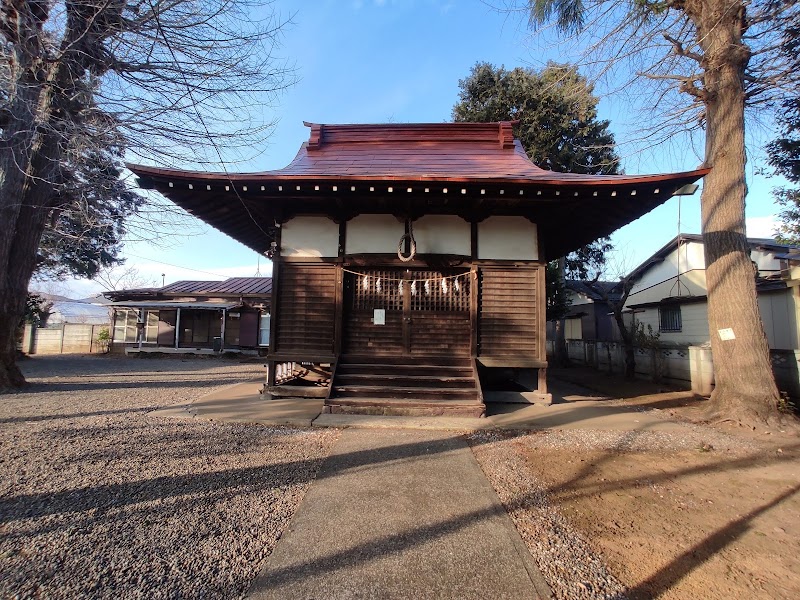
{"points": [[761, 227], [447, 7]]}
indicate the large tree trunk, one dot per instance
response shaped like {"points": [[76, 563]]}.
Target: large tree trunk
{"points": [[30, 152], [745, 385], [25, 197]]}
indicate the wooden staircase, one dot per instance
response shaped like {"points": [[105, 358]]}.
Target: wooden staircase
{"points": [[406, 386]]}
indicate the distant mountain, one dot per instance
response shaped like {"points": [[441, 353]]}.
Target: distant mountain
{"points": [[96, 299], [54, 297]]}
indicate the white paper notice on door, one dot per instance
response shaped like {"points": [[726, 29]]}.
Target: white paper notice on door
{"points": [[379, 316]]}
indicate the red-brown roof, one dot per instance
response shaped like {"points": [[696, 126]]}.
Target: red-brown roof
{"points": [[470, 169], [452, 152], [234, 286], [246, 286]]}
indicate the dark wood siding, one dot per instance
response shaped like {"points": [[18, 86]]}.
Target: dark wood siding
{"points": [[440, 334], [510, 321], [364, 337], [304, 318]]}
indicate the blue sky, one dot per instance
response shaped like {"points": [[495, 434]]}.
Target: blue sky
{"points": [[365, 61]]}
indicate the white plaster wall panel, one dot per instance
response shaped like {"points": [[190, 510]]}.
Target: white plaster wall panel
{"points": [[310, 237], [373, 234], [442, 234], [507, 238]]}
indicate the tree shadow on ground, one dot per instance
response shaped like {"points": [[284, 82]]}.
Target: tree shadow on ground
{"points": [[97, 499]]}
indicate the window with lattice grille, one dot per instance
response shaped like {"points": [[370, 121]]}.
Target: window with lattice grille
{"points": [[428, 290], [669, 318]]}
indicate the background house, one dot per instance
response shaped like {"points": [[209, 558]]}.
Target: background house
{"points": [[670, 295], [193, 316], [669, 298], [589, 316]]}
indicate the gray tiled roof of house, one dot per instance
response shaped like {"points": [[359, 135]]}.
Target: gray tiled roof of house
{"points": [[594, 289]]}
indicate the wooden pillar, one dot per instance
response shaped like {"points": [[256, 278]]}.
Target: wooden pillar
{"points": [[222, 332], [474, 282], [338, 326], [177, 327], [542, 383], [339, 310], [274, 310], [541, 334], [271, 365], [407, 312]]}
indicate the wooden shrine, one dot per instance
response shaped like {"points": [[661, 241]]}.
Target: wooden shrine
{"points": [[406, 258]]}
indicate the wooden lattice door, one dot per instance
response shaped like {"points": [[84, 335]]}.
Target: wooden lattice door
{"points": [[405, 312]]}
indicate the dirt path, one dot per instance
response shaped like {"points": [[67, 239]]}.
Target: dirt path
{"points": [[712, 513]]}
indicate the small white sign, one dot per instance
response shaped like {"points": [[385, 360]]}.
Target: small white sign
{"points": [[726, 334], [379, 316]]}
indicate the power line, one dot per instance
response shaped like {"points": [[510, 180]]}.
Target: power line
{"points": [[161, 262]]}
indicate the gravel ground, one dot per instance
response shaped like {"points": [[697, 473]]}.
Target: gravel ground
{"points": [[569, 565], [100, 499]]}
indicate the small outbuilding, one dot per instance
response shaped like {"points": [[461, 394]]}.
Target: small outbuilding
{"points": [[193, 317], [406, 257]]}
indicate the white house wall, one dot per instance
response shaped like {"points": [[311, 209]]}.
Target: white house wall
{"points": [[778, 313], [660, 280], [373, 234], [694, 324], [692, 283], [442, 234], [507, 238], [576, 298], [766, 261], [309, 237]]}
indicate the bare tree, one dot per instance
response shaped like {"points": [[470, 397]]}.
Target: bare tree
{"points": [[721, 55], [124, 278], [173, 80]]}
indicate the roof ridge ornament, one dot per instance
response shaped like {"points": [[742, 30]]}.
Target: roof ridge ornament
{"points": [[315, 137], [506, 136]]}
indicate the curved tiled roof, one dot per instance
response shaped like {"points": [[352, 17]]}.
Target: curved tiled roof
{"points": [[470, 169], [452, 152]]}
